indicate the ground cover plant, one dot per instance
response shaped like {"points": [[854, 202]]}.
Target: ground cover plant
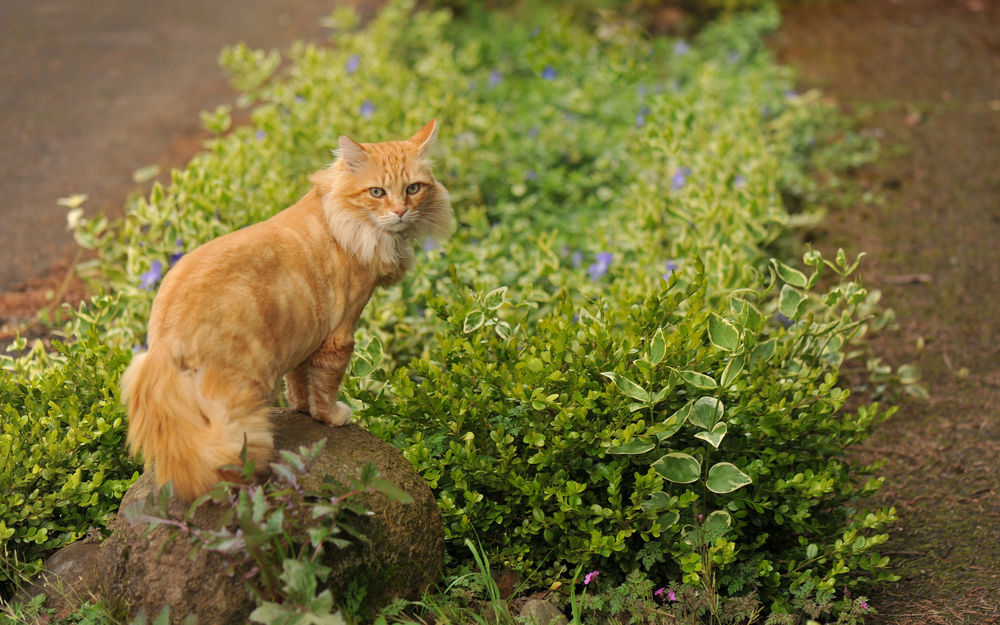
{"points": [[605, 370]]}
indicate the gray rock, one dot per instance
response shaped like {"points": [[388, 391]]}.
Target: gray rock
{"points": [[541, 612], [405, 555]]}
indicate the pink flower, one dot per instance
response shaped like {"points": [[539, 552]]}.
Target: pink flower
{"points": [[589, 577], [664, 593]]}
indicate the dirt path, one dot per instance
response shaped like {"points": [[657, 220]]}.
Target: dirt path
{"points": [[95, 89], [926, 75]]}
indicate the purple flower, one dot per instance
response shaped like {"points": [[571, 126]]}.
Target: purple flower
{"points": [[149, 279], [577, 258], [495, 78], [864, 605], [352, 64], [679, 179], [640, 117], [549, 73], [260, 135], [530, 175], [739, 182], [671, 268], [535, 31], [599, 268], [663, 593], [430, 244], [681, 47], [367, 109], [590, 577], [533, 132]]}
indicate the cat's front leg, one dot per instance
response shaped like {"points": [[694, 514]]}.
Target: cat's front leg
{"points": [[324, 372], [297, 388]]}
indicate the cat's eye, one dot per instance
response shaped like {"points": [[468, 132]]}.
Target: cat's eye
{"points": [[413, 188], [377, 192]]}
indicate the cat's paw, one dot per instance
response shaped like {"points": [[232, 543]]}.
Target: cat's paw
{"points": [[337, 414]]}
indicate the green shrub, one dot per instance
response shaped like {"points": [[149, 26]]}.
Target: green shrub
{"points": [[537, 369], [62, 465]]}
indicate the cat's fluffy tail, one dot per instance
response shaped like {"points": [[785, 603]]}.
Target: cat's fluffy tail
{"points": [[185, 436]]}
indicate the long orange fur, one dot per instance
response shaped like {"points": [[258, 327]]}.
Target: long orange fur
{"points": [[279, 298]]}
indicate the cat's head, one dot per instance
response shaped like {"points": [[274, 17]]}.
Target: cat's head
{"points": [[377, 190]]}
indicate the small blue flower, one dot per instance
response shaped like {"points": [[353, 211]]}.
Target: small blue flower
{"points": [[430, 244], [577, 258], [679, 179], [739, 182], [535, 32], [495, 78], [640, 117], [671, 267], [734, 57], [549, 73], [260, 135], [534, 131], [530, 175], [367, 109], [352, 64], [784, 321], [149, 279], [681, 47], [600, 268]]}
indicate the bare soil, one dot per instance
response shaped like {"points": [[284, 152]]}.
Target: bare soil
{"points": [[92, 91], [925, 75]]}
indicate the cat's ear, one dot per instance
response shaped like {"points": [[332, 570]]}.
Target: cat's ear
{"points": [[353, 155], [425, 138]]}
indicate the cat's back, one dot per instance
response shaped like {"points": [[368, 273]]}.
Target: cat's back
{"points": [[247, 276]]}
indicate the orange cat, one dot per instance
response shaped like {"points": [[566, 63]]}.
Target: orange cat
{"points": [[279, 298]]}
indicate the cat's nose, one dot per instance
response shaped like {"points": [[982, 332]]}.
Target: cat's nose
{"points": [[400, 211]]}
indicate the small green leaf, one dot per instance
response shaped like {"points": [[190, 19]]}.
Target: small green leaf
{"points": [[678, 467], [495, 298], [163, 618], [633, 447], [668, 519], [811, 551], [733, 369], [698, 380], [763, 351], [724, 478], [716, 525], [789, 275], [627, 386], [657, 347], [390, 490], [473, 321], [790, 301], [706, 411], [715, 436], [657, 501], [722, 333], [908, 374], [503, 330]]}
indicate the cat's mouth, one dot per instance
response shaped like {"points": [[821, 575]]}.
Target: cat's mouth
{"points": [[395, 224]]}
